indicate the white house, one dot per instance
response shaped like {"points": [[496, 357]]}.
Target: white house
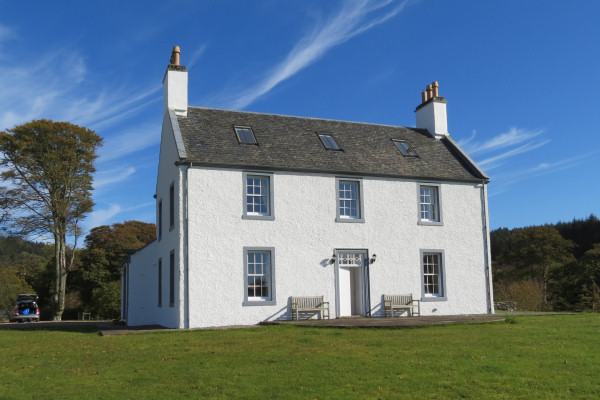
{"points": [[253, 209]]}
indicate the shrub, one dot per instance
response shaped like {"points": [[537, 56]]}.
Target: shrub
{"points": [[528, 294]]}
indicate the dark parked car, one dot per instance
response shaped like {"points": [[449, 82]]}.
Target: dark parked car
{"points": [[26, 309]]}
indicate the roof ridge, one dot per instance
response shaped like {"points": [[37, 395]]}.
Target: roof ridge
{"points": [[308, 118]]}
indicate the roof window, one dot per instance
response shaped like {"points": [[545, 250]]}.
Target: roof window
{"points": [[329, 141], [404, 148], [245, 135]]}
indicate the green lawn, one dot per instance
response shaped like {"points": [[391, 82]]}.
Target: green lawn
{"points": [[549, 357]]}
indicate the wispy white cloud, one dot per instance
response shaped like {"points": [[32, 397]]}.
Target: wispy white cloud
{"points": [[196, 55], [354, 18], [494, 152], [108, 177], [106, 216], [5, 33], [513, 137], [130, 141], [101, 217], [508, 178], [58, 86], [493, 162]]}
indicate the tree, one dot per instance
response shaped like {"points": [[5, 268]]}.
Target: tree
{"points": [[100, 262], [533, 252], [576, 286], [49, 167], [12, 286]]}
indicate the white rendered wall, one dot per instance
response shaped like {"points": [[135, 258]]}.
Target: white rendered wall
{"points": [[304, 235], [142, 302], [171, 240]]}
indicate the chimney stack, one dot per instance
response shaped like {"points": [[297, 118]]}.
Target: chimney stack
{"points": [[431, 113], [175, 86]]}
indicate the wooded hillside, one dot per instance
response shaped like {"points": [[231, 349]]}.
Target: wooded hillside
{"points": [[549, 267]]}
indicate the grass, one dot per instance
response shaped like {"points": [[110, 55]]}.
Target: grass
{"points": [[528, 357]]}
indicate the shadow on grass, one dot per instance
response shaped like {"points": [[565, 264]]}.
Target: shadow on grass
{"points": [[55, 326]]}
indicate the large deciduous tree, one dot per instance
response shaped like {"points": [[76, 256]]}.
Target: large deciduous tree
{"points": [[100, 271], [48, 167]]}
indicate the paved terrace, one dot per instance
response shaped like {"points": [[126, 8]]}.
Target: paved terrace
{"points": [[396, 322]]}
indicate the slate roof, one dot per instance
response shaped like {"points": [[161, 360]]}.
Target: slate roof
{"points": [[288, 143]]}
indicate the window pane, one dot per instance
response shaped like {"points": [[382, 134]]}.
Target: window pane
{"points": [[348, 199], [259, 278], [257, 195], [405, 148], [329, 142], [432, 274], [245, 135], [428, 196]]}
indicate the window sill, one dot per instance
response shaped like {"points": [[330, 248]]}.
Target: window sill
{"points": [[433, 299], [431, 223], [259, 217], [350, 220], [259, 303]]}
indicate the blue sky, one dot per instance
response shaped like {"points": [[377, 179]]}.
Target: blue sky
{"points": [[521, 80]]}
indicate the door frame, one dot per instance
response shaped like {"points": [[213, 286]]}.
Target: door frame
{"points": [[366, 285]]}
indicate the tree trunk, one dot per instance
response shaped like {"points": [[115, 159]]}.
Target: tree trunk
{"points": [[60, 268]]}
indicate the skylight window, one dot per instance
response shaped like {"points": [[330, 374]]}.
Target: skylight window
{"points": [[245, 134], [329, 141], [404, 148]]}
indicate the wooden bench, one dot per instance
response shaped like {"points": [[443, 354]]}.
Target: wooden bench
{"points": [[401, 302], [310, 304], [85, 315]]}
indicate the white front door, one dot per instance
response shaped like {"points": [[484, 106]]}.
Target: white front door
{"points": [[351, 282]]}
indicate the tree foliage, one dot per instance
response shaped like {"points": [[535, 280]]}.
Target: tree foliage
{"points": [[584, 232], [100, 261], [534, 251], [576, 285], [48, 166], [564, 259], [11, 286], [22, 269]]}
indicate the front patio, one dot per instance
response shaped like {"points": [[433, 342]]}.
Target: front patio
{"points": [[396, 322]]}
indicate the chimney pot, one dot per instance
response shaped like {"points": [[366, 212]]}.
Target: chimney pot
{"points": [[431, 114], [175, 55]]}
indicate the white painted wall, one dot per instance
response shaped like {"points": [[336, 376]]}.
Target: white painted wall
{"points": [[305, 234], [143, 268]]}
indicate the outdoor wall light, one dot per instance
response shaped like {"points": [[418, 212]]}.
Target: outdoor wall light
{"points": [[372, 260], [333, 257]]}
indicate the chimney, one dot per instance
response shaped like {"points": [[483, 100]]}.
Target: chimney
{"points": [[431, 113], [175, 86]]}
